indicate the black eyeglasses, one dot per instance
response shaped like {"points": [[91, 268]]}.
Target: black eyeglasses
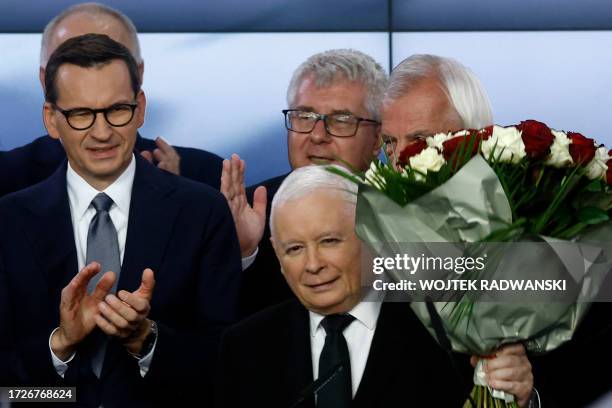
{"points": [[336, 124], [119, 114]]}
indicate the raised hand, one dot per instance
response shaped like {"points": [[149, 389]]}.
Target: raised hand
{"points": [[249, 221], [125, 316], [78, 309], [165, 155]]}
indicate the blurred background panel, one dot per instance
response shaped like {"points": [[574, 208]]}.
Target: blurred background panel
{"points": [[502, 15], [563, 78], [227, 91], [216, 73], [214, 16], [219, 92]]}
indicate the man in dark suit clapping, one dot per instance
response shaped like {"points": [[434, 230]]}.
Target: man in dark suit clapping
{"points": [[158, 255]]}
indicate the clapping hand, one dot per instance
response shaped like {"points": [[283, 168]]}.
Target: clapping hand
{"points": [[78, 309], [125, 315], [165, 155]]}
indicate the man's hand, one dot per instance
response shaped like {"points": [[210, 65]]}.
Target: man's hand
{"points": [[250, 221], [165, 155], [78, 309], [125, 316], [510, 371]]}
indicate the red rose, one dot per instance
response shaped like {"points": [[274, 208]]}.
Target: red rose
{"points": [[609, 172], [412, 149], [450, 146], [537, 138], [486, 133], [582, 148]]}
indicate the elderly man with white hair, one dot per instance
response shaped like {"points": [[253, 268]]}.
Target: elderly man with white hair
{"points": [[330, 345], [428, 94]]}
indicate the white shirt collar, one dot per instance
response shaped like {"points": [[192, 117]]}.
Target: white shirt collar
{"points": [[82, 193], [364, 312]]}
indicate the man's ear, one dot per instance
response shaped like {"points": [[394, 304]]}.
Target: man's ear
{"points": [[41, 77], [142, 106], [377, 142], [141, 72], [277, 252], [50, 120]]}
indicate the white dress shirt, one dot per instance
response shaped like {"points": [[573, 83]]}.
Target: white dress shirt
{"points": [[248, 260], [358, 335], [80, 196]]}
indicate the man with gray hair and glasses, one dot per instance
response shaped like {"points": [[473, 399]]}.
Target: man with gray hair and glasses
{"points": [[34, 162], [332, 117]]}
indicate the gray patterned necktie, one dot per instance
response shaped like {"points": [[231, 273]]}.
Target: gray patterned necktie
{"points": [[102, 243], [102, 247]]}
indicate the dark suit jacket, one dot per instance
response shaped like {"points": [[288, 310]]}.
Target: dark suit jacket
{"points": [[266, 361], [181, 229], [574, 375], [30, 164], [263, 284]]}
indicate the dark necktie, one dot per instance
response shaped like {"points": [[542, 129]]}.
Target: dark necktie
{"points": [[102, 247], [338, 392]]}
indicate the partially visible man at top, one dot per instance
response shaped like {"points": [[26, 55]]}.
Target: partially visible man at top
{"points": [[428, 94], [93, 293], [34, 162], [332, 117]]}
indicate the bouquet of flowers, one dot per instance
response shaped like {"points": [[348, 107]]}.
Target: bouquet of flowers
{"points": [[516, 184]]}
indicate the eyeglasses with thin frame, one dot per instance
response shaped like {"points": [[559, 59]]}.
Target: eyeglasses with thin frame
{"points": [[117, 115], [336, 124]]}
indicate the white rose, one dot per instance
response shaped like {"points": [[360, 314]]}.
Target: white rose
{"points": [[507, 142], [428, 160], [559, 151], [598, 166], [438, 139], [372, 178]]}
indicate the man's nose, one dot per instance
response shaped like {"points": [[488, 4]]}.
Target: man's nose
{"points": [[101, 129], [390, 152], [319, 133], [314, 262]]}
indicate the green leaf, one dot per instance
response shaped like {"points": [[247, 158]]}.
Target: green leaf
{"points": [[601, 200], [592, 215], [595, 186]]}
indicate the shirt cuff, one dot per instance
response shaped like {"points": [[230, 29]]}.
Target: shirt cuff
{"points": [[144, 362], [59, 365], [248, 261]]}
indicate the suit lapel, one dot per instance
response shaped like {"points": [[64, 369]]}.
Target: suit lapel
{"points": [[298, 364], [386, 356], [151, 219], [49, 229]]}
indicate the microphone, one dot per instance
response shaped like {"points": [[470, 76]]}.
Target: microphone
{"points": [[318, 384]]}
